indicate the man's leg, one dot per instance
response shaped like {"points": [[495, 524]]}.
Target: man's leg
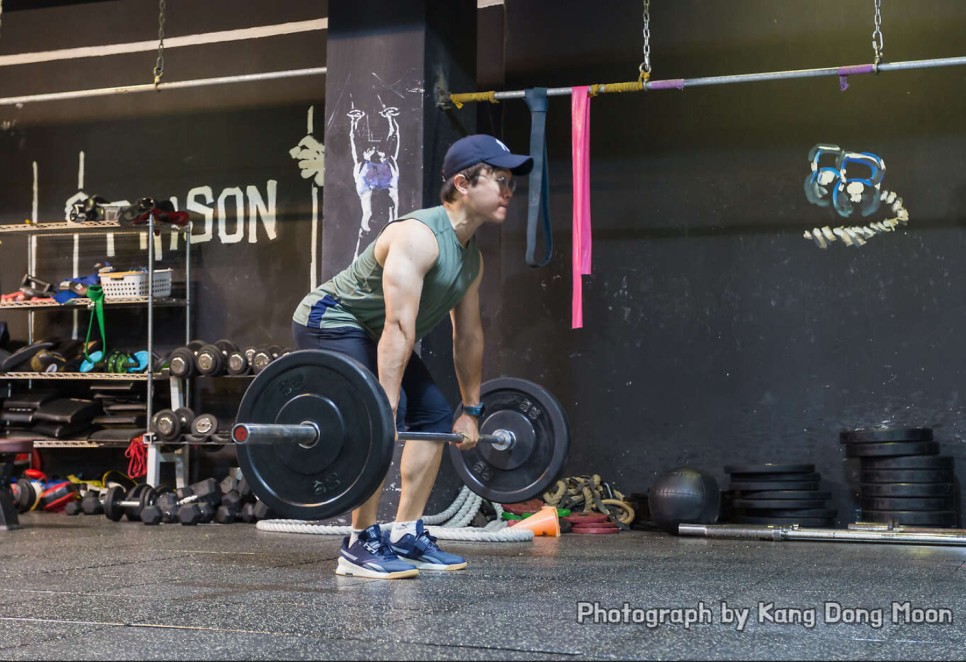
{"points": [[426, 411], [364, 553]]}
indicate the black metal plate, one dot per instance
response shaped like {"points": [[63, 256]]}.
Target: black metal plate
{"points": [[817, 522], [763, 485], [768, 504], [907, 489], [782, 494], [768, 468], [906, 476], [351, 460], [908, 462], [112, 503], [822, 513], [776, 477], [879, 435], [908, 503], [892, 449], [534, 463], [912, 517]]}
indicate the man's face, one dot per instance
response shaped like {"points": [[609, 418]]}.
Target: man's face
{"points": [[490, 193]]}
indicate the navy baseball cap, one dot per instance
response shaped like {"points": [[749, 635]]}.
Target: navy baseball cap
{"points": [[481, 148]]}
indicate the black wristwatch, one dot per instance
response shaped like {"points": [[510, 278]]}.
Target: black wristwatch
{"points": [[474, 410]]}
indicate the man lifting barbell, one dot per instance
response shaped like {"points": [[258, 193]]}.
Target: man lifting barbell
{"points": [[423, 266]]}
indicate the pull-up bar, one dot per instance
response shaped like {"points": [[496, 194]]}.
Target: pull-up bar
{"points": [[150, 87], [681, 83]]}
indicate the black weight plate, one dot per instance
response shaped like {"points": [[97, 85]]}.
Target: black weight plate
{"points": [[875, 436], [913, 517], [817, 522], [823, 513], [167, 425], [145, 497], [892, 449], [238, 364], [766, 485], [226, 346], [908, 503], [783, 494], [768, 504], [186, 416], [351, 460], [112, 503], [209, 360], [535, 461], [907, 489], [746, 478], [908, 462], [906, 476], [204, 425], [768, 468]]}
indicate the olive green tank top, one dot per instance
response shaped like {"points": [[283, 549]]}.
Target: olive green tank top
{"points": [[354, 297]]}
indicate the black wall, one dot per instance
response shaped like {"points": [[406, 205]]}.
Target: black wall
{"points": [[714, 332]]}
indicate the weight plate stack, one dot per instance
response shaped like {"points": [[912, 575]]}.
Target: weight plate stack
{"points": [[778, 494], [903, 478]]}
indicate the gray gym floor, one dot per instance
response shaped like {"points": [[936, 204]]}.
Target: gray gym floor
{"points": [[85, 588]]}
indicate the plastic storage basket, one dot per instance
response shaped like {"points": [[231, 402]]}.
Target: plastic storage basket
{"points": [[123, 284]]}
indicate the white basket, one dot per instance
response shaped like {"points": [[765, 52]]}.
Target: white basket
{"points": [[122, 284]]}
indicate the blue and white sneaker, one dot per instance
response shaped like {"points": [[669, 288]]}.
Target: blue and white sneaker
{"points": [[371, 557], [421, 550]]}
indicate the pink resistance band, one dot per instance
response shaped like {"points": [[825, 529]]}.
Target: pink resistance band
{"points": [[580, 148]]}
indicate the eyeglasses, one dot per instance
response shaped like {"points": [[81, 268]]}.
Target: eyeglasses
{"points": [[504, 182]]}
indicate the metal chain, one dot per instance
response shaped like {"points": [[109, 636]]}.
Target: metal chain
{"points": [[645, 67], [878, 44], [159, 65]]}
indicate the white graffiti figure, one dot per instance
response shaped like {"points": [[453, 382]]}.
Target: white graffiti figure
{"points": [[377, 168], [310, 154]]}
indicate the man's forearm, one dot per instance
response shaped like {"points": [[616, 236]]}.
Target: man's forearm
{"points": [[468, 360], [394, 350]]}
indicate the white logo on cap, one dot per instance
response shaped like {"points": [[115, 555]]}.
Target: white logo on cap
{"points": [[505, 148]]}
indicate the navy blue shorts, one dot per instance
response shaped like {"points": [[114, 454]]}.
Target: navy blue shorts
{"points": [[422, 405]]}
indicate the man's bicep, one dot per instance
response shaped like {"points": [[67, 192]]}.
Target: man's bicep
{"points": [[409, 258]]}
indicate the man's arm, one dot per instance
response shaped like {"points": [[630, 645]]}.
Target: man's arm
{"points": [[468, 356], [410, 251]]}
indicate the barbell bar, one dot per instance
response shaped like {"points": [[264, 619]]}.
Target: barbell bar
{"points": [[315, 437], [307, 434]]}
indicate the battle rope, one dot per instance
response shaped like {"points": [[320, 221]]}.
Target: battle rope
{"points": [[448, 525], [589, 493]]}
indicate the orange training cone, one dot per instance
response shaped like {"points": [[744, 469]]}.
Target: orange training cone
{"points": [[544, 522]]}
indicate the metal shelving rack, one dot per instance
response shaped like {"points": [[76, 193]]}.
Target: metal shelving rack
{"points": [[178, 394]]}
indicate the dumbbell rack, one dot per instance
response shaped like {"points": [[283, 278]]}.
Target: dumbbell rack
{"points": [[155, 457]]}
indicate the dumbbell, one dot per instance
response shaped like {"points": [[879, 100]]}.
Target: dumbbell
{"points": [[91, 504], [212, 360], [239, 362], [170, 425], [116, 505], [201, 510], [253, 512], [197, 512], [164, 509], [264, 356], [26, 494], [168, 507], [181, 361]]}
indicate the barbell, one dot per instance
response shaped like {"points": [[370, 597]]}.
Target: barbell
{"points": [[315, 437]]}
